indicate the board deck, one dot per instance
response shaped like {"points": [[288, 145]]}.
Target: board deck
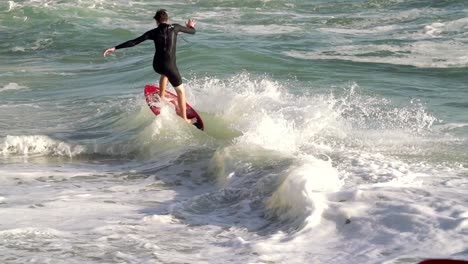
{"points": [[153, 100]]}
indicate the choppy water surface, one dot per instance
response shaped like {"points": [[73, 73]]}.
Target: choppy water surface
{"points": [[336, 132]]}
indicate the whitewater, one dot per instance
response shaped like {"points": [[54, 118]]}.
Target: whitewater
{"points": [[335, 132]]}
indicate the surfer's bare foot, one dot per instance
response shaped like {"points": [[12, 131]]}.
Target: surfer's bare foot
{"points": [[192, 120]]}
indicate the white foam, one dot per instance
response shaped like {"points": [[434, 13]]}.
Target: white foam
{"points": [[38, 144], [269, 132], [259, 30], [362, 31], [433, 29], [11, 5], [443, 54], [160, 219], [312, 122], [30, 232], [438, 28], [384, 224], [36, 45], [451, 126], [440, 44], [301, 198], [12, 86]]}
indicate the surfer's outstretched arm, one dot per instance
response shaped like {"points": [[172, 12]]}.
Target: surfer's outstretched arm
{"points": [[189, 27], [128, 44]]}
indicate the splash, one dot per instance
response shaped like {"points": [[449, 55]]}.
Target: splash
{"points": [[301, 197], [38, 145], [269, 116]]}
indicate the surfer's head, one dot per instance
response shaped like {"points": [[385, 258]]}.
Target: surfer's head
{"points": [[161, 16]]}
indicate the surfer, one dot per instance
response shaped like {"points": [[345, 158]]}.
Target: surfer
{"points": [[164, 61]]}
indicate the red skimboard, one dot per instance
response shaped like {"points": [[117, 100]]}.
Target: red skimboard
{"points": [[153, 100]]}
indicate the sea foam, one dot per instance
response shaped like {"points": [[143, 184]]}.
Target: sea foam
{"points": [[12, 87], [38, 144]]}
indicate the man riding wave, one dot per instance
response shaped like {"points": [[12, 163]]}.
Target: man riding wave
{"points": [[164, 61]]}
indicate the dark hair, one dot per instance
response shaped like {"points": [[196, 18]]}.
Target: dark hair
{"points": [[161, 16]]}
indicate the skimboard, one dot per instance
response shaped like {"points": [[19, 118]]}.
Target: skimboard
{"points": [[154, 102]]}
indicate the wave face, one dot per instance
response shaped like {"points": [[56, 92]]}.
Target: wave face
{"points": [[334, 133]]}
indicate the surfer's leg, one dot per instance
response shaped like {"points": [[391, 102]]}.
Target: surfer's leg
{"points": [[176, 81], [180, 90], [162, 86]]}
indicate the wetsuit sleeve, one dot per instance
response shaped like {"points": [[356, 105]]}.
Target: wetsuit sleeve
{"points": [[188, 30], [134, 42]]}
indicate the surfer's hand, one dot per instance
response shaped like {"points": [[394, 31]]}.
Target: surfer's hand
{"points": [[191, 23], [108, 51]]}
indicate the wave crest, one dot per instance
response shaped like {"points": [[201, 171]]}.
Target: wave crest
{"points": [[39, 145], [301, 197]]}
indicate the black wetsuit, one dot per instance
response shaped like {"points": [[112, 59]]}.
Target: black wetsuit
{"points": [[165, 39]]}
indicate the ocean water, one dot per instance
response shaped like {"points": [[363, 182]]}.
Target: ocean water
{"points": [[335, 132]]}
